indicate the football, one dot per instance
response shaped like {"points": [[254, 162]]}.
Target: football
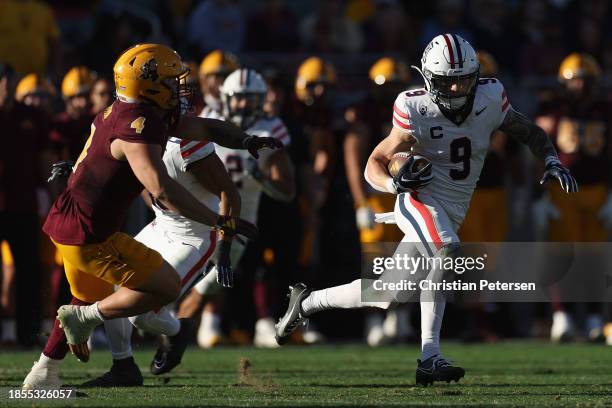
{"points": [[397, 161]]}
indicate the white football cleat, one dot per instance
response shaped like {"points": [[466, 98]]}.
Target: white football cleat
{"points": [[562, 328], [43, 374], [209, 333], [265, 333]]}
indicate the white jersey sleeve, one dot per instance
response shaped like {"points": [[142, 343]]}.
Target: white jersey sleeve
{"points": [[192, 151], [272, 127], [401, 113], [279, 131], [493, 90]]}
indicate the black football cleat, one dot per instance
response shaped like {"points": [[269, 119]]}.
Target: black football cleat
{"points": [[170, 352], [294, 316], [123, 373], [437, 368]]}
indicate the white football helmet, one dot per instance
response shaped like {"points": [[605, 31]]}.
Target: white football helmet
{"points": [[450, 68], [242, 97]]}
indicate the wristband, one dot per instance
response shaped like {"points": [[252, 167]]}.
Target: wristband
{"points": [[551, 160]]}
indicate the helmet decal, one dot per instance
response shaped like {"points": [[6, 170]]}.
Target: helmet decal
{"points": [[149, 70]]}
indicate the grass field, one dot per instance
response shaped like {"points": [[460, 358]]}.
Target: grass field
{"points": [[509, 374]]}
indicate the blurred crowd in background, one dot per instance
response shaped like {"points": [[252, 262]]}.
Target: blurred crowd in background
{"points": [[333, 68]]}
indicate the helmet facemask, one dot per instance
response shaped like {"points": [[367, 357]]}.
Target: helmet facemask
{"points": [[452, 92], [243, 109]]}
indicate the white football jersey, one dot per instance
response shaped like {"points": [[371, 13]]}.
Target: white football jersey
{"points": [[457, 152], [178, 155], [236, 161]]}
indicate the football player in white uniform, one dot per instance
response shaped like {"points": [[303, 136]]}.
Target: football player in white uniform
{"points": [[243, 94], [449, 122]]}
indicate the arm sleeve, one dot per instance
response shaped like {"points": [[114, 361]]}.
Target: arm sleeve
{"points": [[192, 151], [279, 131]]}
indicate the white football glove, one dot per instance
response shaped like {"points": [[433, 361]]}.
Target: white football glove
{"points": [[542, 211], [605, 213], [365, 217]]}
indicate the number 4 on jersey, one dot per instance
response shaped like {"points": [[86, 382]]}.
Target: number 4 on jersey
{"points": [[138, 124]]}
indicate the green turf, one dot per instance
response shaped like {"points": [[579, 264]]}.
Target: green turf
{"points": [[509, 374]]}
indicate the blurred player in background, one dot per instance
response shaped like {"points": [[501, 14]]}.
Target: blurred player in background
{"points": [[21, 159], [367, 124], [71, 127], [123, 154], [312, 108], [243, 94], [449, 123], [101, 95], [214, 68], [579, 122], [36, 91]]}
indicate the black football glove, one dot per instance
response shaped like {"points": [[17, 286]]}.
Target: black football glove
{"points": [[554, 170], [231, 226], [60, 170], [254, 143], [221, 260], [409, 178]]}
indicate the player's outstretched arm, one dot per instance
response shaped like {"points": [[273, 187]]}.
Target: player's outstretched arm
{"points": [[147, 165], [376, 172], [224, 134], [520, 127], [517, 125]]}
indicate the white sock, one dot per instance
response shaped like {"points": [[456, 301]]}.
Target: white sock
{"points": [[162, 322], [432, 313], [346, 296], [92, 313], [119, 335], [45, 361]]}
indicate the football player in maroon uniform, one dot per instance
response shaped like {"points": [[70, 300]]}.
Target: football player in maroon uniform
{"points": [[122, 155]]}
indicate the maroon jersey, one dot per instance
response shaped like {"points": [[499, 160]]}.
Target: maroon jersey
{"points": [[581, 134], [101, 188]]}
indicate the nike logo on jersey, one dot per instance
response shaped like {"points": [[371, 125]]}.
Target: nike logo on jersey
{"points": [[480, 111]]}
